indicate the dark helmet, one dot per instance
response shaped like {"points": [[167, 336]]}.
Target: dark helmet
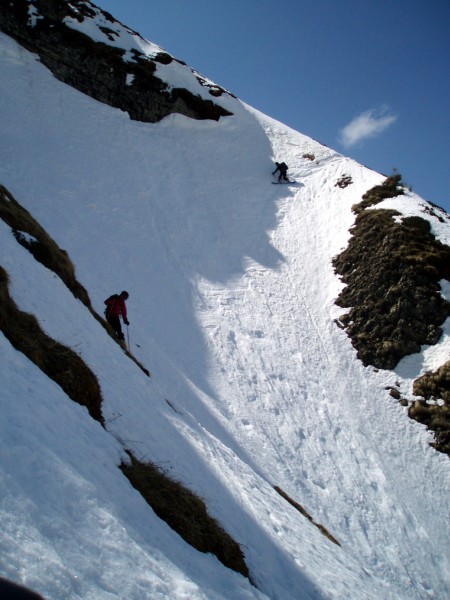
{"points": [[125, 294]]}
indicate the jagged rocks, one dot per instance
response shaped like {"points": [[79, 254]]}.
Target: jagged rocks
{"points": [[96, 68]]}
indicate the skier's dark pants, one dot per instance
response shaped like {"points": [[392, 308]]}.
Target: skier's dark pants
{"points": [[115, 324]]}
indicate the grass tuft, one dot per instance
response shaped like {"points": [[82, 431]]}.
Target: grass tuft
{"points": [[184, 512], [323, 530], [390, 188], [40, 244], [57, 361]]}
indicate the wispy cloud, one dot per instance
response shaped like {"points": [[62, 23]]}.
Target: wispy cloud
{"points": [[366, 125]]}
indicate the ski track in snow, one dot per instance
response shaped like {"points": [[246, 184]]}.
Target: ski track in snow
{"points": [[232, 309]]}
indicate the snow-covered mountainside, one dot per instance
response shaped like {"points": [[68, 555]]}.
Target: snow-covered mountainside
{"points": [[257, 400]]}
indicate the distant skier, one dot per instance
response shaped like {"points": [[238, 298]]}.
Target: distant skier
{"points": [[115, 307], [282, 169]]}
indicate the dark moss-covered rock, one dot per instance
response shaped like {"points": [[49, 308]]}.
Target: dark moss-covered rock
{"points": [[392, 268], [390, 188], [433, 409]]}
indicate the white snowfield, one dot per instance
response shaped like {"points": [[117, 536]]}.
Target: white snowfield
{"points": [[232, 309]]}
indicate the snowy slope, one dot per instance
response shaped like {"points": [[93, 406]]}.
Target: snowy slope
{"points": [[232, 309]]}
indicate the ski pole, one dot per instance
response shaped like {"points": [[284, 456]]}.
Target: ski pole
{"points": [[128, 337]]}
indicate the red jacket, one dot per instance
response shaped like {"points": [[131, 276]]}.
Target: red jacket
{"points": [[115, 306]]}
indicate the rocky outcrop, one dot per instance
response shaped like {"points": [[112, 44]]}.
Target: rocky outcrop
{"points": [[102, 70], [392, 268], [433, 409]]}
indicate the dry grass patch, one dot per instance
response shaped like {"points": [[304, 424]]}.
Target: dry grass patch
{"points": [[434, 410], [57, 361], [390, 188], [305, 513], [40, 244], [184, 512], [392, 270]]}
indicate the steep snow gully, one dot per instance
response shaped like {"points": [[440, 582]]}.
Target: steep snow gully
{"points": [[232, 308]]}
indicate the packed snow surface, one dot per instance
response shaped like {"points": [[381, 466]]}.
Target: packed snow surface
{"points": [[253, 385]]}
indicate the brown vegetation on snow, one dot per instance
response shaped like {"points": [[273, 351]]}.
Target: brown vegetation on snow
{"points": [[185, 512], [57, 361], [392, 268]]}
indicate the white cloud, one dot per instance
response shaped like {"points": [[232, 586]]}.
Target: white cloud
{"points": [[368, 124]]}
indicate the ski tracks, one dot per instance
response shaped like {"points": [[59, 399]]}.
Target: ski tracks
{"points": [[288, 385]]}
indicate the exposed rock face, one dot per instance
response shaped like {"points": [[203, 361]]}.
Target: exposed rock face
{"points": [[392, 270], [98, 69]]}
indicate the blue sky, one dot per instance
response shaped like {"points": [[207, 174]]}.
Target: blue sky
{"points": [[369, 78]]}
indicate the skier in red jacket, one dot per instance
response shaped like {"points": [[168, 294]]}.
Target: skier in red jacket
{"points": [[115, 306]]}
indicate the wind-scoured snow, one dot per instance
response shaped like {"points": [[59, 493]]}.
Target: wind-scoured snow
{"points": [[232, 309]]}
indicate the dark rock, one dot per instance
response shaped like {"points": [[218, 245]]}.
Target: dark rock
{"points": [[98, 69], [392, 271], [433, 407]]}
